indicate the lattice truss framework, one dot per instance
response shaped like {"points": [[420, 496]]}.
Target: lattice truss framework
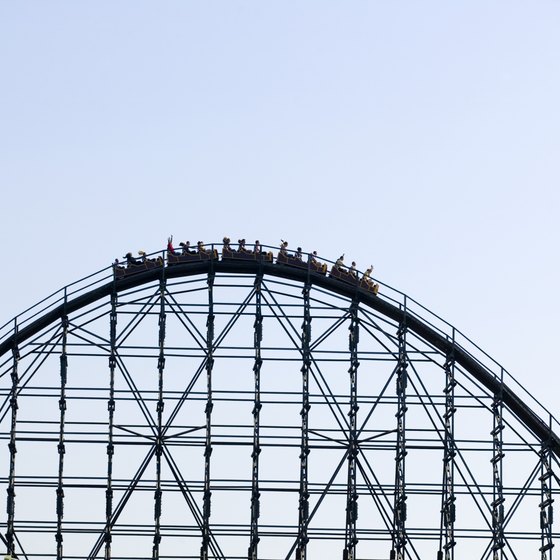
{"points": [[236, 416]]}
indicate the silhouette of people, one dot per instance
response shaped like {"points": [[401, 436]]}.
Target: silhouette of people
{"points": [[130, 260], [186, 248]]}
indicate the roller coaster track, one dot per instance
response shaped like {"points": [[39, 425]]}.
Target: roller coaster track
{"points": [[408, 317], [399, 313]]}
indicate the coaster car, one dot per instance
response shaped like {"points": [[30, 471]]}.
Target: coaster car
{"points": [[140, 266], [191, 256], [351, 278], [369, 285], [229, 254], [288, 260]]}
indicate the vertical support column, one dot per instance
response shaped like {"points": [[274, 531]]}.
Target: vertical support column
{"points": [[497, 487], [61, 446], [447, 527], [159, 410], [10, 535], [303, 509], [111, 410], [209, 405], [255, 492], [351, 539], [546, 510], [399, 510]]}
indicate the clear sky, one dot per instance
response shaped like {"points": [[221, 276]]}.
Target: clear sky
{"points": [[422, 137]]}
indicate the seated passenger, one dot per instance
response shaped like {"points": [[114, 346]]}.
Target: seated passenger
{"points": [[227, 247], [186, 248], [339, 264], [352, 270], [367, 279], [284, 248], [241, 245], [257, 247], [142, 255], [130, 260], [313, 258], [368, 272], [299, 254], [200, 247]]}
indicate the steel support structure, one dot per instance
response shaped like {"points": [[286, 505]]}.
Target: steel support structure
{"points": [[546, 504], [257, 406], [447, 526], [61, 445], [497, 478], [399, 508], [110, 423], [12, 446], [303, 504], [351, 539], [207, 493], [189, 372], [159, 441]]}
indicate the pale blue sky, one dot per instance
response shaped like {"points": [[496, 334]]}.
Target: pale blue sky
{"points": [[422, 137]]}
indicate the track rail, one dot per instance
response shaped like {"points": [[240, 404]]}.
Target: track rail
{"points": [[397, 312]]}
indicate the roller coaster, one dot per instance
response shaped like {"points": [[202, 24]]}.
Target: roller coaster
{"points": [[263, 405]]}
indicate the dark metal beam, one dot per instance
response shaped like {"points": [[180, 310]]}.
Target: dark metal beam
{"points": [[303, 503], [257, 405]]}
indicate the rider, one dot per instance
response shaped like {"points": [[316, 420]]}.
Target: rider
{"points": [[368, 272], [130, 260], [185, 248], [170, 249]]}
